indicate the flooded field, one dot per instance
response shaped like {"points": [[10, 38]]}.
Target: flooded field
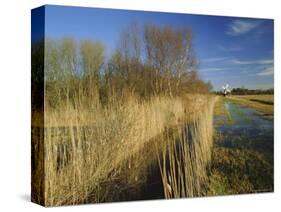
{"points": [[243, 154], [247, 128]]}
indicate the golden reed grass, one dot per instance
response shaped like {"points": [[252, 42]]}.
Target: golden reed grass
{"points": [[185, 154], [83, 151]]}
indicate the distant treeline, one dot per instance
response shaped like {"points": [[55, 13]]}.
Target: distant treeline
{"points": [[147, 61], [245, 91]]}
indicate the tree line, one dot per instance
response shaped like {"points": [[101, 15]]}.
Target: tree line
{"points": [[245, 91], [148, 61]]}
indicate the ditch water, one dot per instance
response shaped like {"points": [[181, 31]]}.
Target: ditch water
{"points": [[243, 151], [246, 128]]}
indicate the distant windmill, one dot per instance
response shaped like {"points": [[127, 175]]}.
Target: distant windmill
{"points": [[226, 90]]}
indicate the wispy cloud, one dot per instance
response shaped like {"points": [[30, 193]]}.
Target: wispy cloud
{"points": [[230, 49], [268, 71], [252, 62], [212, 69], [239, 27], [215, 59]]}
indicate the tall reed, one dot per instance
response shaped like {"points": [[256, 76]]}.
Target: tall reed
{"points": [[90, 148], [184, 155], [86, 149]]}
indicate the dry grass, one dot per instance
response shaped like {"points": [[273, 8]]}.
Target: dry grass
{"points": [[88, 150], [262, 103], [185, 154]]}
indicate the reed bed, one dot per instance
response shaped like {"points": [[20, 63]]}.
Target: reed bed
{"points": [[85, 150], [185, 154], [88, 152]]}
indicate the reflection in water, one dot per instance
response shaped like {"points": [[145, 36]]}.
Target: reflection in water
{"points": [[242, 160], [248, 129]]}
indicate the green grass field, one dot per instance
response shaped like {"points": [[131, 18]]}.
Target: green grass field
{"points": [[262, 103]]}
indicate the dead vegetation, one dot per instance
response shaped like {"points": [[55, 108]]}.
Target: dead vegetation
{"points": [[92, 116]]}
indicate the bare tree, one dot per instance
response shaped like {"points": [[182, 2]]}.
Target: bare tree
{"points": [[169, 52], [127, 58], [92, 56], [60, 67], [68, 57], [60, 59]]}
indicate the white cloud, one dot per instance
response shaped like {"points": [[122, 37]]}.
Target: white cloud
{"points": [[268, 71], [252, 62], [239, 27], [230, 49], [215, 59], [212, 69]]}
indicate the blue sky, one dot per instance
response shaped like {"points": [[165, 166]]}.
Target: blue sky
{"points": [[233, 50]]}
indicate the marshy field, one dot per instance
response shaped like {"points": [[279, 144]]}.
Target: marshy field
{"points": [[242, 158], [141, 124]]}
